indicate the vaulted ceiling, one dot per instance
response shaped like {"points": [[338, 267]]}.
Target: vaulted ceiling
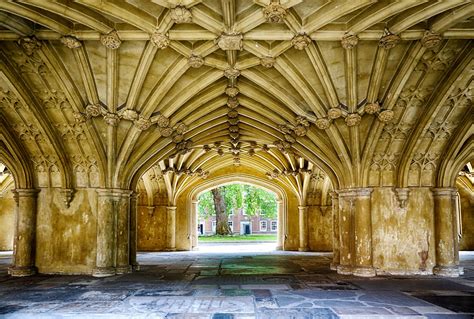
{"points": [[364, 92]]}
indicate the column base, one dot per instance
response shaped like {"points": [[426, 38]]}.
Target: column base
{"points": [[16, 271], [303, 249], [136, 267], [446, 271], [333, 266], [120, 270], [364, 272], [170, 249], [344, 270], [103, 272], [279, 248]]}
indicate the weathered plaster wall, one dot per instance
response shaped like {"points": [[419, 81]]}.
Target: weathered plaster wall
{"points": [[403, 240], [320, 228], [66, 237], [151, 228], [467, 212], [7, 220]]}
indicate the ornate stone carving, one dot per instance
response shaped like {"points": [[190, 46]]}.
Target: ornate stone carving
{"points": [[160, 40], [349, 41], [79, 117], [130, 115], [267, 62], [111, 40], [71, 42], [230, 41], [274, 12], [231, 73], [232, 91], [162, 121], [372, 108], [353, 119], [334, 113], [323, 124], [29, 44], [177, 138], [111, 119], [67, 195], [195, 61], [431, 39], [94, 110], [386, 116], [180, 128], [232, 102], [184, 147], [232, 114], [389, 40], [186, 171], [142, 123], [181, 14], [166, 131], [402, 197], [300, 41]]}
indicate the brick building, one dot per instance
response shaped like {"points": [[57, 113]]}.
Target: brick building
{"points": [[240, 223]]}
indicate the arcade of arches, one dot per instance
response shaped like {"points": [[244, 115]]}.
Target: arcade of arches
{"points": [[114, 115]]}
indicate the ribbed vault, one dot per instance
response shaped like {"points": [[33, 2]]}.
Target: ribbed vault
{"points": [[156, 94]]}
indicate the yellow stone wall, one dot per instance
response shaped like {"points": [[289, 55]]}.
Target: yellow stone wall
{"points": [[151, 228], [7, 220], [403, 238], [66, 237], [320, 228], [467, 213]]}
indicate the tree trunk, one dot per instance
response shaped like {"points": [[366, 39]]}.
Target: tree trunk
{"points": [[222, 225]]}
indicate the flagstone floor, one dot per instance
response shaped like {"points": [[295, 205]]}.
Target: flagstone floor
{"points": [[229, 283]]}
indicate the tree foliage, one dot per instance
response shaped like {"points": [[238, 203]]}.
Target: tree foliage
{"points": [[240, 196]]}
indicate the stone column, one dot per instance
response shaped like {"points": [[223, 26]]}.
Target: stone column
{"points": [[25, 233], [106, 239], [171, 229], [446, 245], [133, 232], [303, 223], [335, 231], [280, 224], [194, 224], [363, 234], [346, 202], [123, 233]]}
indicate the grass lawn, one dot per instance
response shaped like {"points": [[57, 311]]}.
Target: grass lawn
{"points": [[217, 238]]}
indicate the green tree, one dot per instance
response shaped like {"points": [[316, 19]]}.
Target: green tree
{"points": [[223, 200]]}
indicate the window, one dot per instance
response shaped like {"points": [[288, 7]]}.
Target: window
{"points": [[274, 225], [231, 226], [263, 225]]}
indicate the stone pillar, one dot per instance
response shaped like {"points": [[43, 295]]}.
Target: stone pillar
{"points": [[363, 234], [355, 237], [25, 233], [133, 232], [123, 233], [446, 244], [171, 229], [346, 202], [194, 224], [335, 231], [106, 238], [303, 223], [280, 224]]}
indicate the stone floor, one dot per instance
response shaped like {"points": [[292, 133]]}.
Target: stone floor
{"points": [[236, 284]]}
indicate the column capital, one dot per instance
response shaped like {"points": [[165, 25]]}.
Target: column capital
{"points": [[302, 208], [196, 201], [444, 191], [114, 192], [334, 195], [171, 208], [26, 192]]}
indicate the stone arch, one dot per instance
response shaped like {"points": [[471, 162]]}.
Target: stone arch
{"points": [[282, 199]]}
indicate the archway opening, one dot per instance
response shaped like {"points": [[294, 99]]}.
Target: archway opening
{"points": [[7, 214], [239, 215], [465, 205]]}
